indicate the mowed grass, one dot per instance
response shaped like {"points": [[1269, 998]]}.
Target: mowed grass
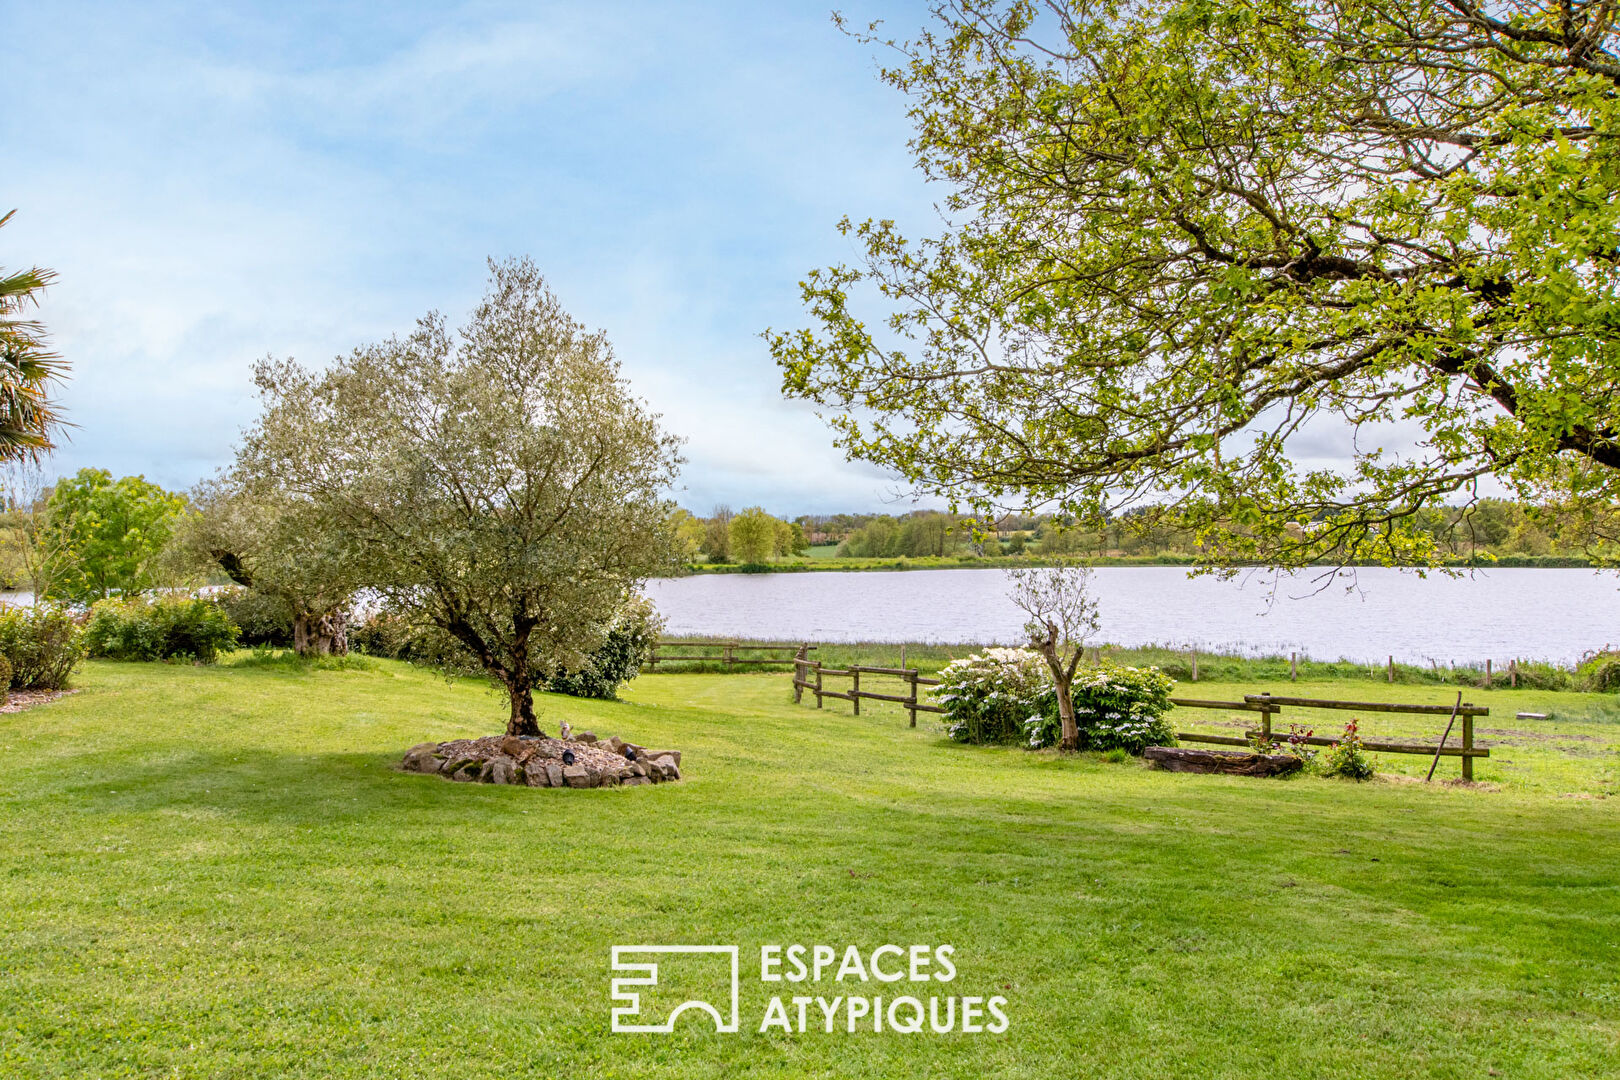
{"points": [[215, 872]]}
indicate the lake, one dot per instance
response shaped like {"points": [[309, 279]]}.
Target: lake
{"points": [[1366, 614]]}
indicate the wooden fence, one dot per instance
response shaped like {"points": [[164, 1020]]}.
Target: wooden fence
{"points": [[688, 651], [810, 674], [1268, 706]]}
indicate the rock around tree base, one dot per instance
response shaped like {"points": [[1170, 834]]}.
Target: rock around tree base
{"points": [[538, 762], [1234, 762]]}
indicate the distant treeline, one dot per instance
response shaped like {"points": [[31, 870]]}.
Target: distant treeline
{"points": [[1492, 530]]}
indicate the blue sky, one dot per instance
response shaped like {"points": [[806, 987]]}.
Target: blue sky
{"points": [[216, 182]]}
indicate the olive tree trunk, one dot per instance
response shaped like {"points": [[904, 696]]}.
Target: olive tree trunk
{"points": [[321, 634], [522, 721]]}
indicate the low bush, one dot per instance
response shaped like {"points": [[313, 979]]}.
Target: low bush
{"points": [[262, 620], [164, 628], [1599, 672], [1006, 696], [42, 645], [383, 633], [1347, 758], [629, 643], [1115, 708], [989, 696], [1293, 743]]}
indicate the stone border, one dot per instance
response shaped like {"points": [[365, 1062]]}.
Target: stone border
{"points": [[538, 761]]}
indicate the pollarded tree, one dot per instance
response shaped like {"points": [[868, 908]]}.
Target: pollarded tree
{"points": [[502, 484], [1061, 615], [261, 537], [1181, 233]]}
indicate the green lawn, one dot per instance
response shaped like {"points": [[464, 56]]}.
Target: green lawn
{"points": [[214, 872]]}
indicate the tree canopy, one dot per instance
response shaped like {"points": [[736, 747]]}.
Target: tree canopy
{"points": [[1179, 235], [501, 484], [106, 535], [263, 538]]}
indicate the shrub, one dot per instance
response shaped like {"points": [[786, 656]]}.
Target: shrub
{"points": [[989, 696], [42, 645], [1115, 708], [1293, 743], [263, 620], [383, 633], [394, 636], [5, 680], [136, 628], [1599, 672], [1346, 757], [629, 643]]}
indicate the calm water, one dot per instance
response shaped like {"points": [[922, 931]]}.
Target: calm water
{"points": [[1530, 614]]}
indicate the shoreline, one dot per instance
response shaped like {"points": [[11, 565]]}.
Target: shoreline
{"points": [[1006, 562]]}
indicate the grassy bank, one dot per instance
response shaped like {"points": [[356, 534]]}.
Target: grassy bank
{"points": [[821, 561], [214, 872], [1178, 664]]}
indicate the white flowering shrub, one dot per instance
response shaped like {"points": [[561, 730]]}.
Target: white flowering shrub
{"points": [[1115, 708], [989, 696]]}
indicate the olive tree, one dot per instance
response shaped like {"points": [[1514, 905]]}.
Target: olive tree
{"points": [[1061, 615], [1181, 239], [250, 528], [501, 483]]}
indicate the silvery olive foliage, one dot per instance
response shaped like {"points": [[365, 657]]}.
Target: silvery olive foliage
{"points": [[283, 546], [500, 483], [1179, 236]]}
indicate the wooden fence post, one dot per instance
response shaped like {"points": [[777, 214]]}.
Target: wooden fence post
{"points": [[652, 660], [1513, 674], [730, 659], [1468, 743], [799, 674], [818, 684], [855, 689], [1391, 669], [913, 702], [1487, 673], [1293, 667]]}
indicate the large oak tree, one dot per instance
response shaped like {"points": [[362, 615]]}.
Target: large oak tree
{"points": [[1178, 234], [502, 484]]}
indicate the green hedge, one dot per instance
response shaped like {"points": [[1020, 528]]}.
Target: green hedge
{"points": [[163, 628]]}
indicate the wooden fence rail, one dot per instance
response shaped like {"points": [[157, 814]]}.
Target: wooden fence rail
{"points": [[1268, 706], [809, 674]]}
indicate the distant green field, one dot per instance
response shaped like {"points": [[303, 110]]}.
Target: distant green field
{"points": [[215, 872]]}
